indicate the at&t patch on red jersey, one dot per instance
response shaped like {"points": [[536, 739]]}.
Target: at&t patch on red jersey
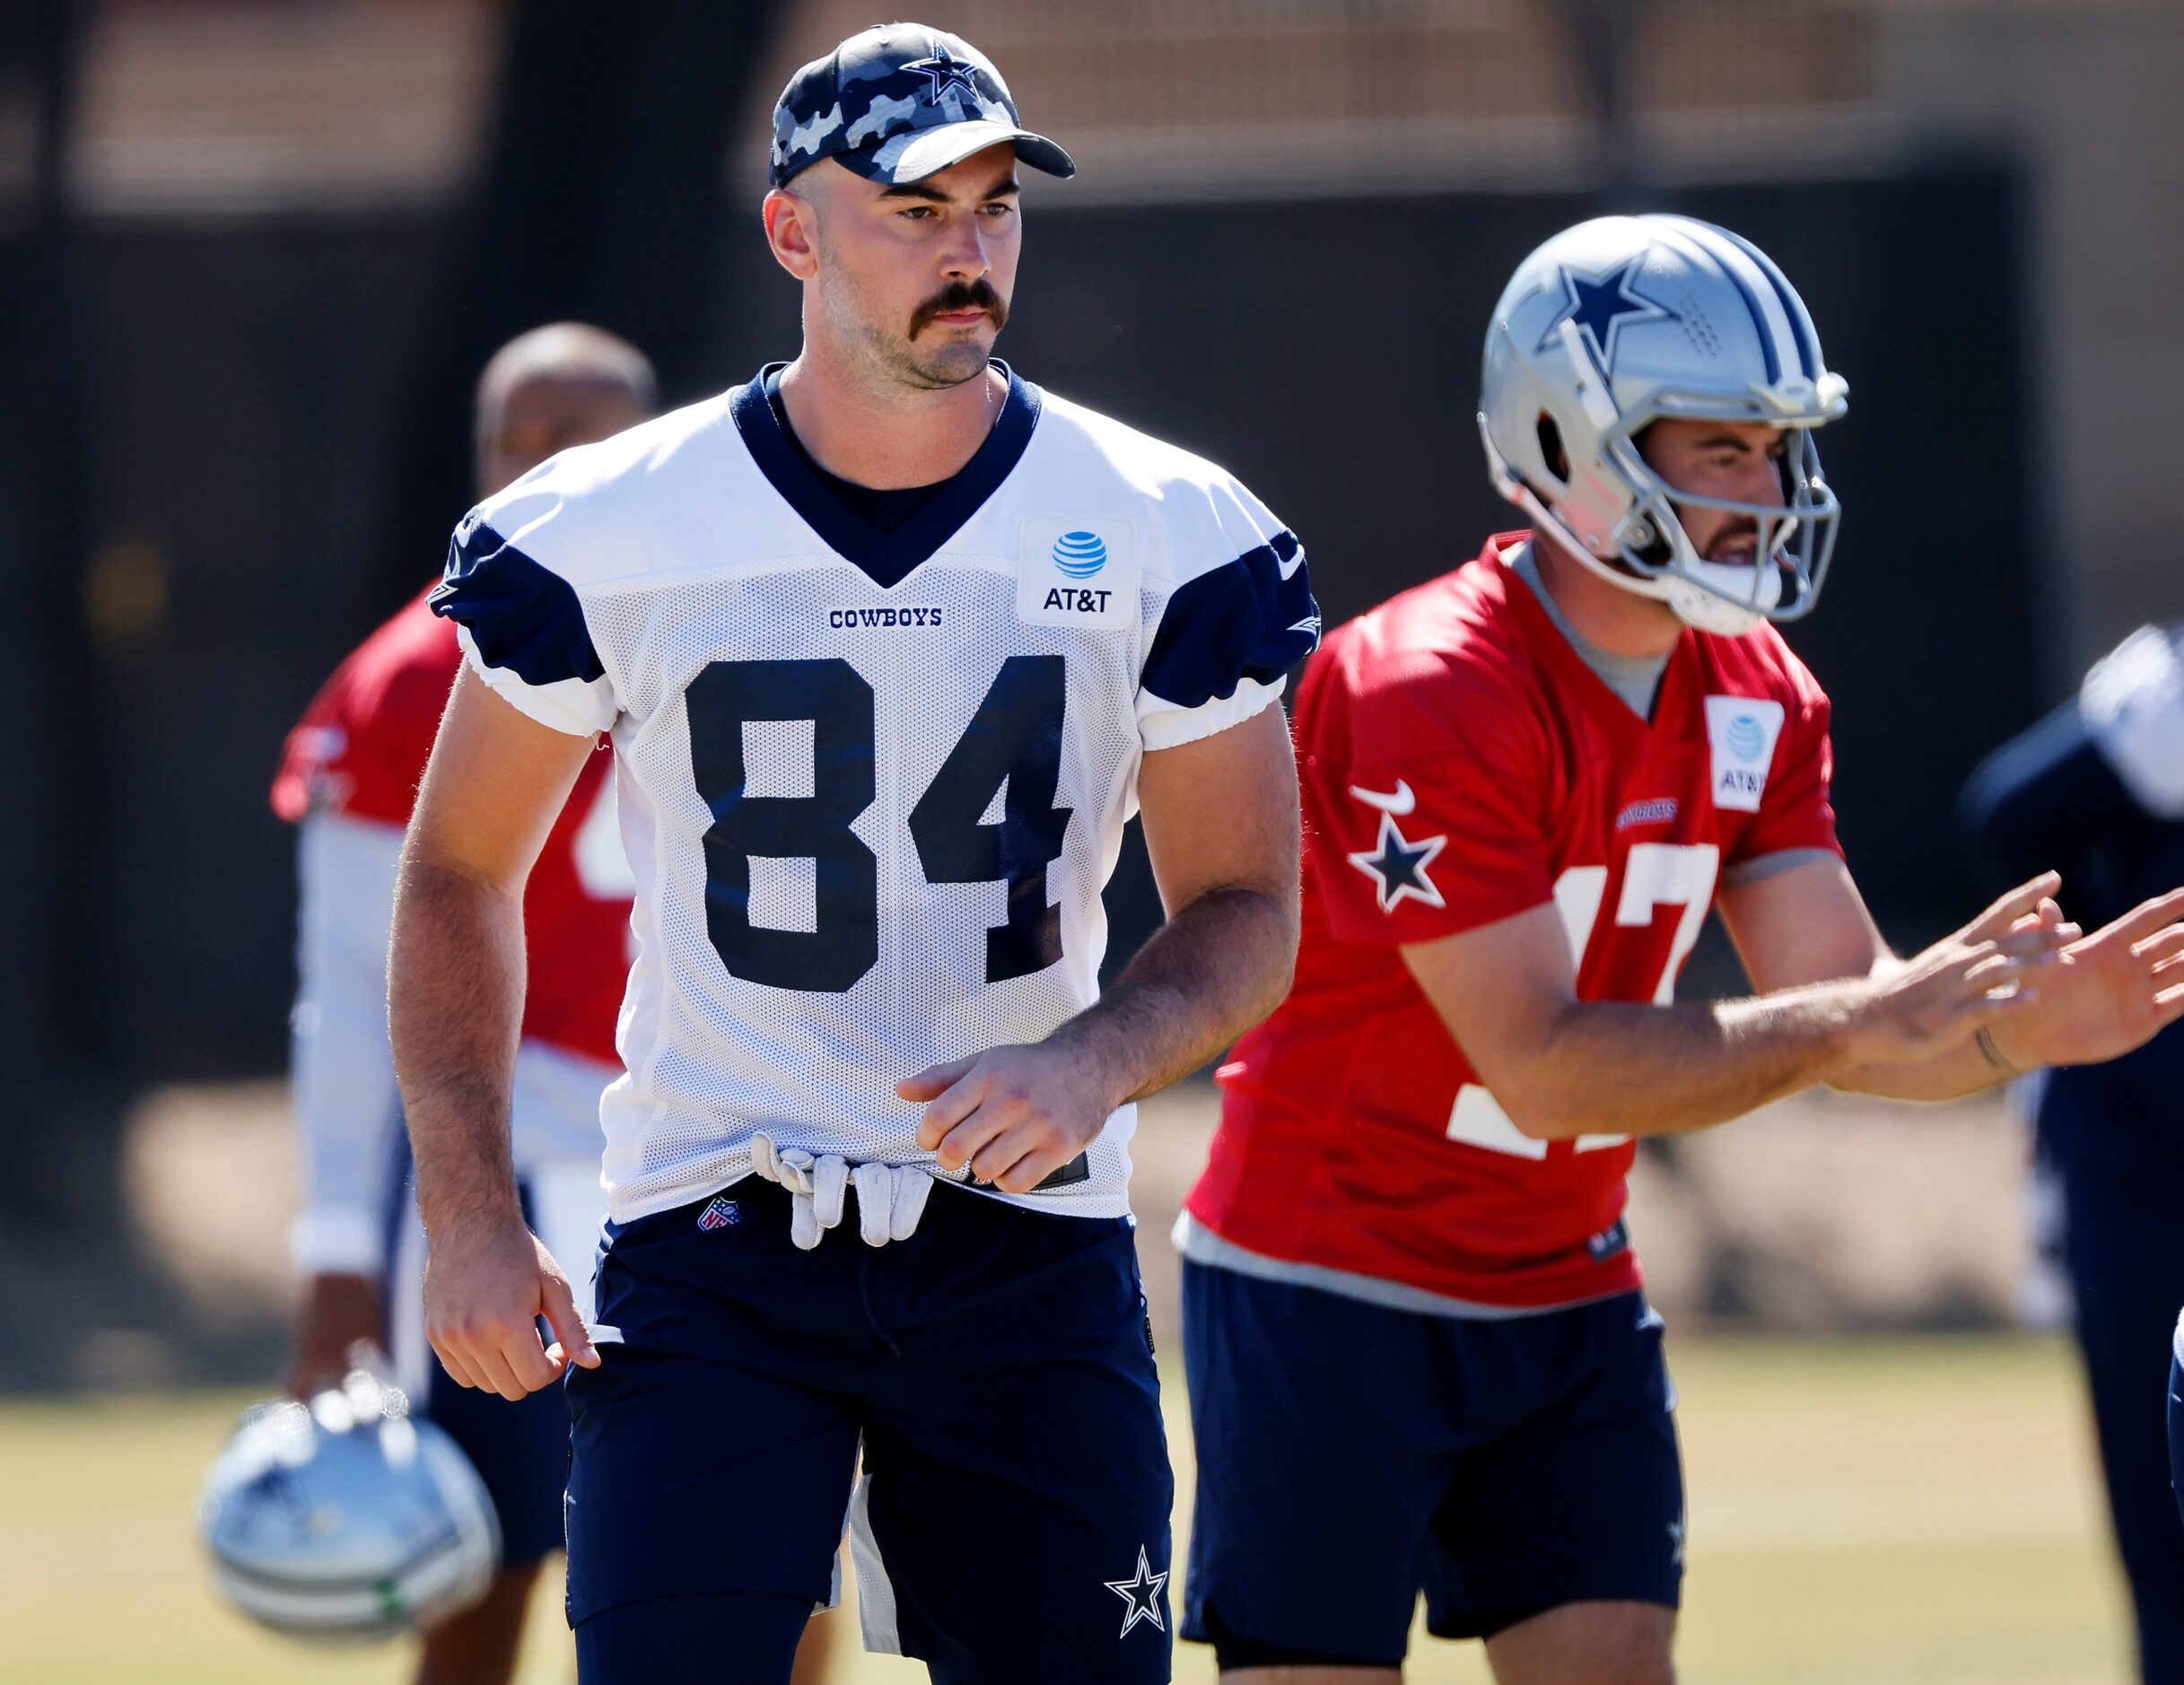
{"points": [[1461, 764]]}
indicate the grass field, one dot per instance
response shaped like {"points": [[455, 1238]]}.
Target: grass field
{"points": [[1884, 1511]]}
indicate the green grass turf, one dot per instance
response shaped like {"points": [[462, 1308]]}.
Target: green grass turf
{"points": [[1885, 1512]]}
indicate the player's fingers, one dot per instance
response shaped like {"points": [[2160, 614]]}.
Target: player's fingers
{"points": [[2162, 945], [1996, 971], [572, 1341], [960, 1101], [1978, 1011], [934, 1080], [2046, 915], [2002, 915], [2146, 918], [451, 1359], [1033, 1168], [523, 1355], [2036, 942], [1005, 1153], [963, 1143]]}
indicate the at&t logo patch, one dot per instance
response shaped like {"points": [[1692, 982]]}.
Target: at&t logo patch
{"points": [[1741, 732], [1080, 571]]}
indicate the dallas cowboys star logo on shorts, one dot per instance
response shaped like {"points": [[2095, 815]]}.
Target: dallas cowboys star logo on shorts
{"points": [[1599, 304], [1398, 865], [1142, 1594]]}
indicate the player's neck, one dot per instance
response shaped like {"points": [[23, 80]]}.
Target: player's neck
{"points": [[887, 436], [1620, 621]]}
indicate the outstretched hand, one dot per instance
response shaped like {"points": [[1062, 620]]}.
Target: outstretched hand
{"points": [[2107, 993], [1991, 971], [487, 1284]]}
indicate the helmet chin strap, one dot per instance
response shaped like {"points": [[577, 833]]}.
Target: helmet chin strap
{"points": [[1704, 595], [1692, 602]]}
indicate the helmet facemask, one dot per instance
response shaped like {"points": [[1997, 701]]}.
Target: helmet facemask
{"points": [[1795, 539], [1632, 509]]}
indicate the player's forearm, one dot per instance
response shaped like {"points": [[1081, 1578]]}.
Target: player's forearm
{"points": [[1607, 1068], [1215, 969], [456, 1007]]}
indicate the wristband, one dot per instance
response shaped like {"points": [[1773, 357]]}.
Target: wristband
{"points": [[1992, 1054]]}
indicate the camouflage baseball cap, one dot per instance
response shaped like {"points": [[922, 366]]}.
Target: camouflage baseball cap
{"points": [[899, 102]]}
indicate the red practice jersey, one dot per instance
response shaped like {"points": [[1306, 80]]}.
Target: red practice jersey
{"points": [[1461, 764], [360, 750]]}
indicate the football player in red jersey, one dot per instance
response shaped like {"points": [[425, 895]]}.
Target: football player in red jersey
{"points": [[1418, 1354], [348, 779]]}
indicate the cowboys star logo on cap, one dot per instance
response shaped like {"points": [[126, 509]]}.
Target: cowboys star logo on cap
{"points": [[944, 70], [898, 103]]}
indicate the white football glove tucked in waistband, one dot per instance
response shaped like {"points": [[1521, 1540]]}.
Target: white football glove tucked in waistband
{"points": [[890, 1197]]}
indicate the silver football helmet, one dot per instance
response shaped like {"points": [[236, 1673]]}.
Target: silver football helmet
{"points": [[1625, 320], [344, 1520]]}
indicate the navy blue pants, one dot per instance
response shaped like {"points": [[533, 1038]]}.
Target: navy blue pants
{"points": [[2125, 1253], [1012, 1523], [1351, 1456], [2176, 1417]]}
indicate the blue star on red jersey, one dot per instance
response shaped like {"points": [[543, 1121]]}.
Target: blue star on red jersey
{"points": [[942, 72], [1398, 866], [1601, 304]]}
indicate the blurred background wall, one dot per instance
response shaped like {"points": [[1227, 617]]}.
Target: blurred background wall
{"points": [[252, 253]]}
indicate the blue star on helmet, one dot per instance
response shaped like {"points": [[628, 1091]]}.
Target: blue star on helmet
{"points": [[1142, 1594], [944, 70], [1397, 866], [1601, 304]]}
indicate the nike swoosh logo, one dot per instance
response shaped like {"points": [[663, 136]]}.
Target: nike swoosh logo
{"points": [[1296, 560], [1399, 804]]}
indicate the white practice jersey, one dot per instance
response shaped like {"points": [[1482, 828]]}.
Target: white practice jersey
{"points": [[871, 784]]}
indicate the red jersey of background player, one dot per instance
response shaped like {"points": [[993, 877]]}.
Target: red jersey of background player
{"points": [[1461, 764], [359, 751]]}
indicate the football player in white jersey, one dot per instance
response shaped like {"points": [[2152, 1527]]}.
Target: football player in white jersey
{"points": [[890, 645]]}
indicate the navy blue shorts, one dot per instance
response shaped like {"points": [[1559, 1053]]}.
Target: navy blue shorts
{"points": [[1351, 1456], [1012, 1523], [2176, 1417]]}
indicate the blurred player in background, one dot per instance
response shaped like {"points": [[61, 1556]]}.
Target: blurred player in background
{"points": [[890, 644], [348, 780], [1417, 1344], [2097, 788]]}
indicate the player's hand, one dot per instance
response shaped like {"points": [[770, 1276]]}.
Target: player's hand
{"points": [[1990, 970], [1014, 1115], [487, 1284], [335, 1313], [2109, 992]]}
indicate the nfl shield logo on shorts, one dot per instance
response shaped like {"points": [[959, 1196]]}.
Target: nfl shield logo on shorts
{"points": [[721, 1214]]}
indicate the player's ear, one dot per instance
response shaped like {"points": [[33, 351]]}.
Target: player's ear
{"points": [[792, 224]]}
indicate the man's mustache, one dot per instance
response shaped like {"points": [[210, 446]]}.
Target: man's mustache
{"points": [[961, 295]]}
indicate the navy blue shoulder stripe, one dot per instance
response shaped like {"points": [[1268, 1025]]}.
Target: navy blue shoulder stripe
{"points": [[523, 618], [1241, 620]]}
